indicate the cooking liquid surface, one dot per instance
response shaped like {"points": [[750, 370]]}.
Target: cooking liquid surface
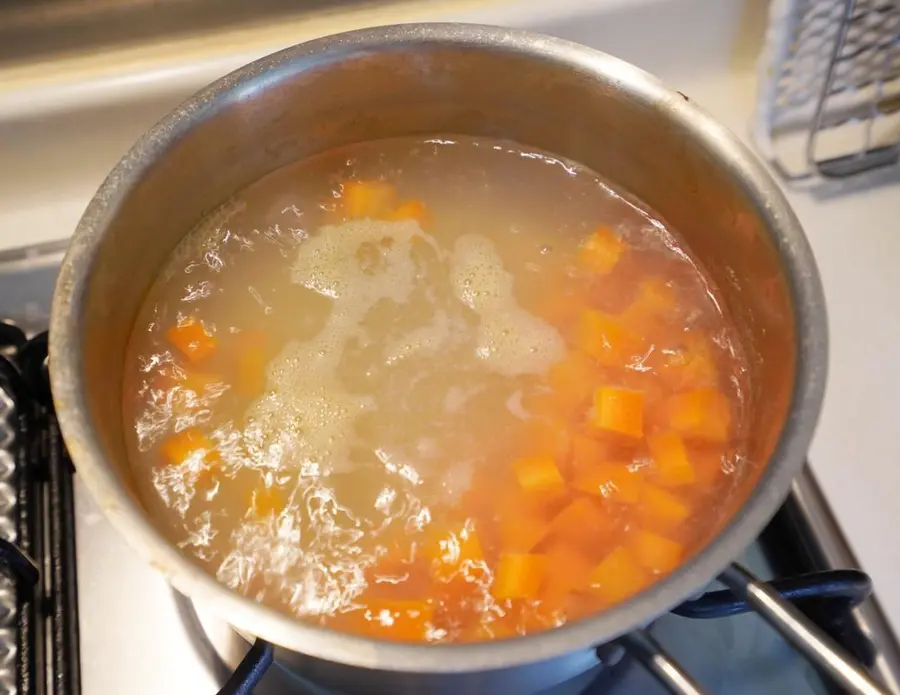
{"points": [[435, 390]]}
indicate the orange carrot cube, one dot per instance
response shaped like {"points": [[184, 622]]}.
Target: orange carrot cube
{"points": [[605, 338], [518, 576], [654, 297], [547, 437], [539, 474], [192, 340], [266, 501], [587, 452], [601, 251], [369, 199], [658, 505], [617, 577], [611, 480], [200, 382], [620, 411], [656, 553], [671, 463], [568, 569], [516, 502], [700, 414], [191, 442], [412, 210], [582, 521], [521, 533]]}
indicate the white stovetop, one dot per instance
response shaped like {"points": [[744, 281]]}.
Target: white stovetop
{"points": [[64, 124]]}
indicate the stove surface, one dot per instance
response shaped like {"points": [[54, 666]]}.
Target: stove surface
{"points": [[138, 636]]}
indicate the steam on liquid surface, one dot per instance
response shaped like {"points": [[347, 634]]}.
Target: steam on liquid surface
{"points": [[441, 390]]}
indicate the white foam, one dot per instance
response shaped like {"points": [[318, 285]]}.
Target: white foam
{"points": [[307, 416], [427, 339], [477, 274], [510, 340]]}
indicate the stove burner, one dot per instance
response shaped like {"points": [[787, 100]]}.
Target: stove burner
{"points": [[37, 545]]}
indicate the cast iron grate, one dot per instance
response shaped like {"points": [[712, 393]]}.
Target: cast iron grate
{"points": [[38, 592]]}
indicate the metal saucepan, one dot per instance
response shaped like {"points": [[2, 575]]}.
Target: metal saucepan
{"points": [[420, 79]]}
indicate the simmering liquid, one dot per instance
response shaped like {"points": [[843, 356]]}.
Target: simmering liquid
{"points": [[442, 389]]}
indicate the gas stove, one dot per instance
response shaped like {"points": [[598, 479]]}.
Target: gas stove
{"points": [[119, 627]]}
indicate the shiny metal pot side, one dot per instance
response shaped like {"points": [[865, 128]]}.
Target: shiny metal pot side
{"points": [[442, 78]]}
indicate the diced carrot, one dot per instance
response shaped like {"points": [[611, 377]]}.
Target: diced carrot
{"points": [[402, 620], [654, 297], [266, 501], [200, 382], [656, 553], [191, 442], [518, 576], [192, 340], [661, 506], [568, 569], [521, 533], [412, 210], [547, 437], [588, 451], [601, 251], [540, 475], [618, 576], [700, 414], [582, 521], [670, 458], [452, 550], [605, 338], [369, 199], [611, 480], [619, 410], [515, 502], [573, 379]]}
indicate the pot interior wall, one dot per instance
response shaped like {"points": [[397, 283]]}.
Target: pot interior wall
{"points": [[297, 105]]}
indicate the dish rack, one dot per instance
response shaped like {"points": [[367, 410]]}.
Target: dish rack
{"points": [[829, 98]]}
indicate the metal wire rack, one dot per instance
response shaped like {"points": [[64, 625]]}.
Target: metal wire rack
{"points": [[829, 99]]}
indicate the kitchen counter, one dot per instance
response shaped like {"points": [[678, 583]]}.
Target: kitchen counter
{"points": [[66, 120]]}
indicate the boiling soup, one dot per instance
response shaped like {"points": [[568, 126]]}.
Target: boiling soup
{"points": [[435, 390]]}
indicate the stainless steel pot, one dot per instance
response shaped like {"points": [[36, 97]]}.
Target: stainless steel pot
{"points": [[418, 79]]}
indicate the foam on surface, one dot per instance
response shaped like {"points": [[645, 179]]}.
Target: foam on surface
{"points": [[510, 340], [306, 418]]}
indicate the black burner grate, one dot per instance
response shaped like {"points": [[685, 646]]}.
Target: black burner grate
{"points": [[39, 552]]}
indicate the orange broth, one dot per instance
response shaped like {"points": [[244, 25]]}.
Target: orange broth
{"points": [[443, 389]]}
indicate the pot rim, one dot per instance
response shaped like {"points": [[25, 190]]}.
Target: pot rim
{"points": [[247, 616]]}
